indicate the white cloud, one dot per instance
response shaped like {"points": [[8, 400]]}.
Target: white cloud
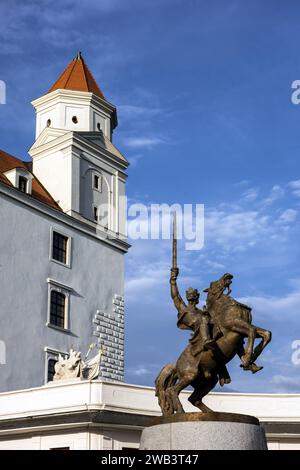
{"points": [[277, 192], [138, 112], [295, 186], [237, 230], [139, 371], [251, 194], [286, 384], [139, 142], [289, 215], [279, 308], [242, 183], [213, 265], [134, 159], [237, 227]]}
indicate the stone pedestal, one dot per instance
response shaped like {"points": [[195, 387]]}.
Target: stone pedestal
{"points": [[204, 431]]}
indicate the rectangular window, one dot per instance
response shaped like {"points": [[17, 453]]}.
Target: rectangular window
{"points": [[60, 247], [22, 186], [51, 369], [57, 309], [96, 214], [97, 182]]}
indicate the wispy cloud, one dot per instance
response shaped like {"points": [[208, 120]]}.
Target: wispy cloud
{"points": [[135, 159], [138, 112], [286, 384], [276, 193], [142, 370], [245, 234], [142, 142], [250, 194], [288, 216], [295, 186], [276, 307]]}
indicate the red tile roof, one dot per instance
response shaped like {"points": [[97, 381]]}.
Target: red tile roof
{"points": [[77, 76], [8, 162]]}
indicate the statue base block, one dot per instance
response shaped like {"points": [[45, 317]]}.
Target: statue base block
{"points": [[204, 431]]}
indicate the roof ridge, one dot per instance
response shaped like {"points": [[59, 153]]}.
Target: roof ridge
{"points": [[68, 78], [84, 72], [39, 192]]}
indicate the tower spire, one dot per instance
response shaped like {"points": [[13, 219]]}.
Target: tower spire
{"points": [[78, 77]]}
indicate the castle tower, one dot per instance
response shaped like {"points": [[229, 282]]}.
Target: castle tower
{"points": [[73, 155], [63, 236]]}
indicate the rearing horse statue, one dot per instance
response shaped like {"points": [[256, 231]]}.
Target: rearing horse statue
{"points": [[219, 333]]}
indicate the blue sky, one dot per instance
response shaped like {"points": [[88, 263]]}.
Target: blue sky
{"points": [[203, 91]]}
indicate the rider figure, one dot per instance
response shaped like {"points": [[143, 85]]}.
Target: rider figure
{"points": [[192, 318]]}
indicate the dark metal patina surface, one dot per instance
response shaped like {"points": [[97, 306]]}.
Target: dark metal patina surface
{"points": [[219, 331]]}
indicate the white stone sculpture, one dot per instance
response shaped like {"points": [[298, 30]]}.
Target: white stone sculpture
{"points": [[74, 367]]}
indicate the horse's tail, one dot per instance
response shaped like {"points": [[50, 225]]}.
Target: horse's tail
{"points": [[165, 379]]}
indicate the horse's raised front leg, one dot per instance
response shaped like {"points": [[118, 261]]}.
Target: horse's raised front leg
{"points": [[266, 338], [246, 329], [252, 366]]}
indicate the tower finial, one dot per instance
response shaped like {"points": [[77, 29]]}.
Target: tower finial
{"points": [[78, 57]]}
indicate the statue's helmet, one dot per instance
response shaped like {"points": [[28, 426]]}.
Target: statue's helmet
{"points": [[192, 294]]}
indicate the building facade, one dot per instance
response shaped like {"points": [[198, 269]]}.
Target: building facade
{"points": [[62, 240], [83, 415], [62, 247]]}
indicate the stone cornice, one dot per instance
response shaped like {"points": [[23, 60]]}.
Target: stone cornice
{"points": [[57, 95], [78, 140]]}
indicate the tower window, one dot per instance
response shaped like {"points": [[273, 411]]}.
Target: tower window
{"points": [[49, 123], [60, 247], [22, 185], [96, 214], [57, 309], [51, 369], [75, 120], [97, 182], [99, 126]]}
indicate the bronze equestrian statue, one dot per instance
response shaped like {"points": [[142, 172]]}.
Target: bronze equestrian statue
{"points": [[219, 331]]}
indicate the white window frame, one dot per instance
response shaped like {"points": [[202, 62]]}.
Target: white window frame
{"points": [[14, 175], [51, 353], [62, 289], [96, 173], [69, 247]]}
